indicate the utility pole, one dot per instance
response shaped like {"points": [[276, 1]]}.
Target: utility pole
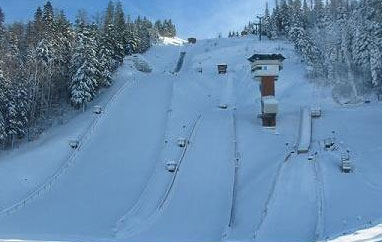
{"points": [[260, 21]]}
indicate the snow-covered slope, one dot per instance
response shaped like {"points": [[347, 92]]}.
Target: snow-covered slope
{"points": [[235, 180], [172, 41]]}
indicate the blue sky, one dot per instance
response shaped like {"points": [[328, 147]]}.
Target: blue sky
{"points": [[200, 18]]}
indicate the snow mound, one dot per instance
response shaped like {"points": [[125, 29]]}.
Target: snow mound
{"points": [[373, 234], [138, 62], [172, 41]]}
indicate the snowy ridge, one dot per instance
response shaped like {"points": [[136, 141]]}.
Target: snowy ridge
{"points": [[44, 187]]}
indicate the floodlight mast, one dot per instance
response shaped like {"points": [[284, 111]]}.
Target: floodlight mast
{"points": [[260, 23]]}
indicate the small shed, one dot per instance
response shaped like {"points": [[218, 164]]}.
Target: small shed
{"points": [[222, 68], [192, 40]]}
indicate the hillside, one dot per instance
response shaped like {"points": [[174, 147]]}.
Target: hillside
{"points": [[115, 186]]}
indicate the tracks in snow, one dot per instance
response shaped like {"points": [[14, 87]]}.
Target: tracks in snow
{"points": [[271, 195], [320, 196], [153, 199], [69, 161], [180, 161], [236, 164]]}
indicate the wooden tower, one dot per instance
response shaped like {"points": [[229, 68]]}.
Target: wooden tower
{"points": [[266, 69]]}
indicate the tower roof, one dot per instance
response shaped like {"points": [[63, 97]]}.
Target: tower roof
{"points": [[257, 57]]}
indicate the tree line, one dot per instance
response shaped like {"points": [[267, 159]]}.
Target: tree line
{"points": [[50, 62], [338, 37]]}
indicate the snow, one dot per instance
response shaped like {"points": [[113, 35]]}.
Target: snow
{"points": [[305, 133], [270, 104], [139, 63], [172, 41], [234, 180], [373, 234]]}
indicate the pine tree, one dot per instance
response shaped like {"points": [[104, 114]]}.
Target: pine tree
{"points": [[48, 17], [85, 68], [132, 40], [2, 30], [48, 60], [17, 110], [4, 88], [119, 32], [109, 18]]}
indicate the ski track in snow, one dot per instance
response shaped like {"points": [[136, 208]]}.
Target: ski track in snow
{"points": [[270, 197], [45, 187], [231, 182], [147, 208], [121, 223], [320, 192], [138, 226]]}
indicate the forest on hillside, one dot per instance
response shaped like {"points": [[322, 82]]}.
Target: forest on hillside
{"points": [[339, 40], [49, 62]]}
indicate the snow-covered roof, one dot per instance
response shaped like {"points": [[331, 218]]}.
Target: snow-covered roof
{"points": [[257, 57]]}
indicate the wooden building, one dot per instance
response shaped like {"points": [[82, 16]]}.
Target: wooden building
{"points": [[266, 69], [266, 65]]}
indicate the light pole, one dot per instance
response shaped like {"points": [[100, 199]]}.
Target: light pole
{"points": [[260, 23]]}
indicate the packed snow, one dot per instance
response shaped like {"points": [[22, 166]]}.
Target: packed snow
{"points": [[233, 181], [172, 41]]}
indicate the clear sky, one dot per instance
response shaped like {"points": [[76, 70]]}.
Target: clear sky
{"points": [[199, 18]]}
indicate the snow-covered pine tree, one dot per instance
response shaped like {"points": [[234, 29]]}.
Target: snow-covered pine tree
{"points": [[267, 26], [285, 17], [105, 59], [132, 39], [2, 31], [17, 110], [4, 88], [143, 26], [119, 32], [63, 38], [85, 68], [308, 49]]}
